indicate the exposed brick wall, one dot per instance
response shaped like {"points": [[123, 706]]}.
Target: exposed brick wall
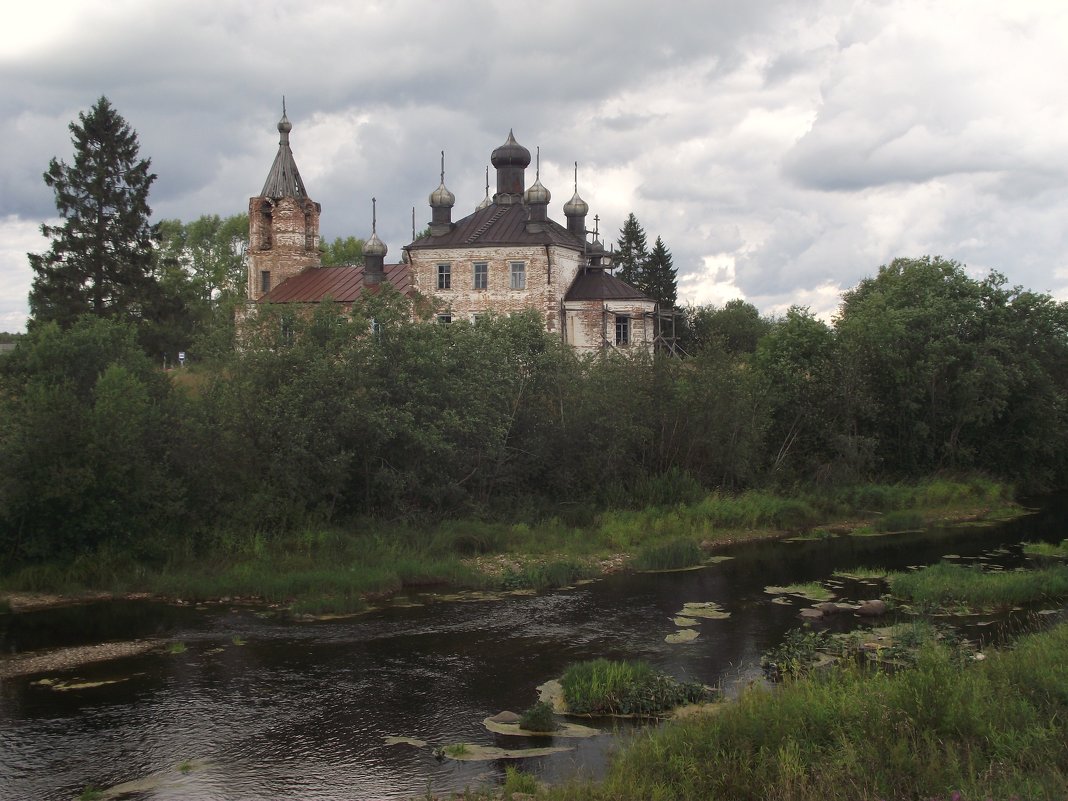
{"points": [[283, 239], [590, 324], [549, 273]]}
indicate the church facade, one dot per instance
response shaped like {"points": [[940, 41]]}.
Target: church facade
{"points": [[506, 256]]}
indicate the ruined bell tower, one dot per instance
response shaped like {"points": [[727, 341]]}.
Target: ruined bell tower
{"points": [[283, 223]]}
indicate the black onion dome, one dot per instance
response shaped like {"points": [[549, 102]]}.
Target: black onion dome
{"points": [[510, 154]]}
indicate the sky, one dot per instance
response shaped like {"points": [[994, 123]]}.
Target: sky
{"points": [[782, 150]]}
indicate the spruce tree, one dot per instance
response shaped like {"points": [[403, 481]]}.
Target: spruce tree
{"points": [[631, 251], [658, 279], [101, 258]]}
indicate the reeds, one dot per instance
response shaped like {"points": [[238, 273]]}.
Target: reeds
{"points": [[946, 586], [601, 686]]}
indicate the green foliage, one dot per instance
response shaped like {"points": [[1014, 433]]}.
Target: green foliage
{"points": [[602, 686], [903, 520], [991, 729], [659, 277], [668, 555], [545, 576], [795, 655], [100, 260], [736, 328], [517, 781], [539, 718], [631, 251], [946, 586], [342, 251], [1047, 550]]}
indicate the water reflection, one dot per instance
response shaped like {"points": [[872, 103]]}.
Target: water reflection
{"points": [[302, 710]]}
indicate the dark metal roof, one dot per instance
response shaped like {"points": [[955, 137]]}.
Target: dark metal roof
{"points": [[341, 284], [284, 179], [500, 225], [593, 284]]}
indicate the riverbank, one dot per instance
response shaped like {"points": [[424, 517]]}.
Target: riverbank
{"points": [[338, 570]]}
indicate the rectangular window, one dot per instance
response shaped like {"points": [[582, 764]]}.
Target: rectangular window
{"points": [[481, 275], [622, 330], [444, 276], [444, 319], [519, 274], [265, 281], [476, 317]]}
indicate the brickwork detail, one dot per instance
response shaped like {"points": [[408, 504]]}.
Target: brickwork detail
{"points": [[283, 241]]}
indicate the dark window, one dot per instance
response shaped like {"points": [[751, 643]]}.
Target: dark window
{"points": [[444, 276], [622, 330], [519, 275], [265, 281], [481, 275], [444, 319]]}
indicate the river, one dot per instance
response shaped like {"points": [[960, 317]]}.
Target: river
{"points": [[259, 706]]}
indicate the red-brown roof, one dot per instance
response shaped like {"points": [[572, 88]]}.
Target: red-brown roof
{"points": [[340, 284], [500, 225]]}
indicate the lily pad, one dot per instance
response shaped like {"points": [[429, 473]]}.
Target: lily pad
{"points": [[565, 730], [683, 622], [468, 752], [812, 591], [709, 610], [406, 741], [680, 636], [715, 560]]}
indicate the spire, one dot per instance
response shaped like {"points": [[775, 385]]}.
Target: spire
{"points": [[486, 202], [374, 246], [284, 179]]}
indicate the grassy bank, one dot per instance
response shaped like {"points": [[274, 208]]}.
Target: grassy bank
{"points": [[337, 570], [993, 729], [946, 587]]}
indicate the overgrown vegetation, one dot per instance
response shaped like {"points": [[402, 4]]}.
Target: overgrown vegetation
{"points": [[795, 655], [606, 687], [670, 555], [539, 718], [1047, 550], [956, 588], [992, 729]]}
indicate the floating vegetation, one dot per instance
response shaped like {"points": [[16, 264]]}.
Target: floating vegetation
{"points": [[812, 591], [238, 640], [176, 648], [681, 636], [862, 573], [67, 686], [391, 740], [798, 653], [715, 560], [683, 622], [469, 752], [709, 610], [604, 687], [564, 728]]}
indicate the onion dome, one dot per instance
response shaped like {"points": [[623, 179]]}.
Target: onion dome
{"points": [[284, 125], [537, 194], [510, 154], [374, 246], [442, 198], [576, 207]]}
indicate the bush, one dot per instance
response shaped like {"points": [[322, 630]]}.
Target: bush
{"points": [[539, 718], [601, 686]]}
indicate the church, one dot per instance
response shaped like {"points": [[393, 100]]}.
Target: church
{"points": [[507, 255]]}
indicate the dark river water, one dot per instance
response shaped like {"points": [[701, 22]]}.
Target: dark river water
{"points": [[303, 710]]}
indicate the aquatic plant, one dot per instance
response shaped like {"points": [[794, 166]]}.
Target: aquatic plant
{"points": [[795, 655], [456, 749], [90, 793], [1047, 550], [861, 573], [991, 729], [670, 555], [946, 586], [601, 686], [547, 575], [176, 648], [539, 718], [812, 590]]}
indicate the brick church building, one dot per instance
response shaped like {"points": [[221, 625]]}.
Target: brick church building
{"points": [[507, 255]]}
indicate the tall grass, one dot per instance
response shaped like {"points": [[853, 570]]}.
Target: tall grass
{"points": [[947, 586], [1047, 550], [601, 686], [668, 555], [995, 729]]}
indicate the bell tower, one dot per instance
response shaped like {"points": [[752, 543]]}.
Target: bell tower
{"points": [[283, 222]]}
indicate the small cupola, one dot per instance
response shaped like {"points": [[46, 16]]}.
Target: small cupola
{"points": [[374, 251], [595, 251], [537, 200], [441, 203], [511, 161], [575, 210]]}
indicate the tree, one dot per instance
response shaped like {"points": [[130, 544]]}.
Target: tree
{"points": [[631, 253], [657, 278], [735, 328], [101, 257], [343, 251], [211, 251]]}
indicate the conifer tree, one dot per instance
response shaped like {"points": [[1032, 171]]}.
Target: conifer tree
{"points": [[658, 278], [631, 251], [101, 257]]}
